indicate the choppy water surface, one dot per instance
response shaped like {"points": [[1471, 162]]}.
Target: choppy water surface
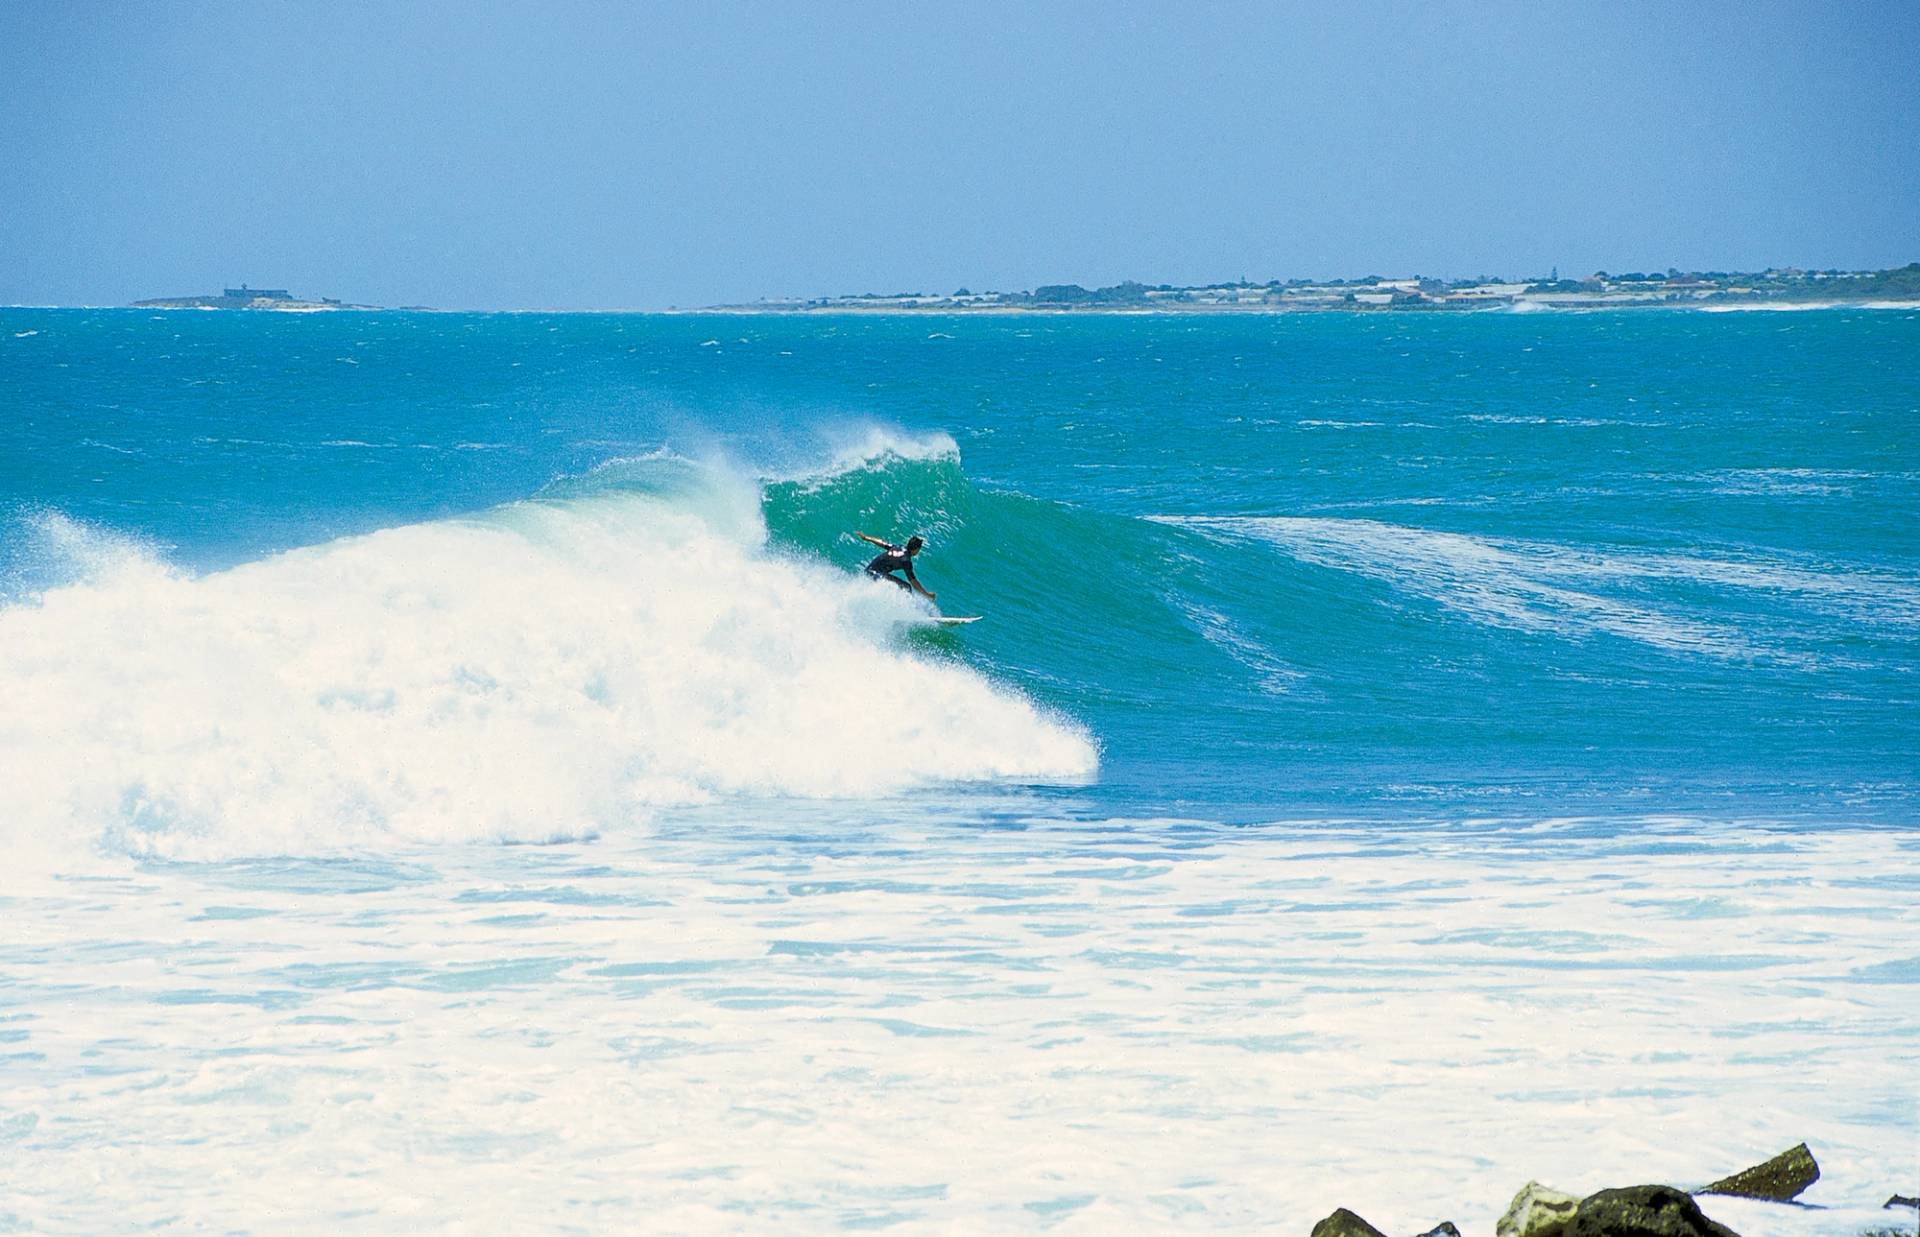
{"points": [[455, 774]]}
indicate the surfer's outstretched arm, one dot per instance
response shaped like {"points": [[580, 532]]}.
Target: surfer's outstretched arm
{"points": [[918, 587], [885, 545]]}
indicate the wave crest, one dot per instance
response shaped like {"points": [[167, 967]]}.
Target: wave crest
{"points": [[554, 668]]}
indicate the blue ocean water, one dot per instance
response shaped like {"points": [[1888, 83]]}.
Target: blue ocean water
{"points": [[1551, 675], [1487, 561]]}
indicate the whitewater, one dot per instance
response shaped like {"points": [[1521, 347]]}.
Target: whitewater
{"points": [[546, 671], [455, 777]]}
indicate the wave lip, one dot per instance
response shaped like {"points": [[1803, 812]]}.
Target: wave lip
{"points": [[552, 669], [865, 447]]}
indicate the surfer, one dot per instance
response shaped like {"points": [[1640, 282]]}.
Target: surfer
{"points": [[894, 558]]}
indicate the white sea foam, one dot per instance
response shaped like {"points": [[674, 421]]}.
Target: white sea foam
{"points": [[835, 449], [1816, 482], [556, 668], [51, 548], [1270, 674], [1491, 582], [1543, 586], [856, 446], [1803, 306], [825, 1018]]}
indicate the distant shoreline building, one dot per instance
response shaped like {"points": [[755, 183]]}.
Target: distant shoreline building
{"points": [[1781, 286]]}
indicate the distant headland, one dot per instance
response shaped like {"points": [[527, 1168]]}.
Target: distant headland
{"points": [[244, 297], [1774, 288]]}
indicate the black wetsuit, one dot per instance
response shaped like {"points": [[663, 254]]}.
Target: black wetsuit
{"points": [[895, 559]]}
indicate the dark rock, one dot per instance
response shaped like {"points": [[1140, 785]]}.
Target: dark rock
{"points": [[1779, 1180], [1901, 1200], [1443, 1229], [1643, 1211], [1343, 1223]]}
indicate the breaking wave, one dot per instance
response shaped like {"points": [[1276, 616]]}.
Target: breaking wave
{"points": [[622, 642]]}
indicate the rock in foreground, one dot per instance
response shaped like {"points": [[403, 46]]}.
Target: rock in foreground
{"points": [[1343, 1223], [1779, 1180], [1643, 1211], [1537, 1211]]}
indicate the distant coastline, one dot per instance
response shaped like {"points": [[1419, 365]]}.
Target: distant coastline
{"points": [[1777, 288], [1714, 291]]}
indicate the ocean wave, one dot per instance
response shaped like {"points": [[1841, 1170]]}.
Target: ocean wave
{"points": [[1270, 675], [863, 446], [1811, 482], [1547, 587], [554, 668], [1803, 306], [47, 548]]}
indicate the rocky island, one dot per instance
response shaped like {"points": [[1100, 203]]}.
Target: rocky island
{"points": [[244, 297]]}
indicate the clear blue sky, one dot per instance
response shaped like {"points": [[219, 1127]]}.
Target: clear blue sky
{"points": [[645, 155]]}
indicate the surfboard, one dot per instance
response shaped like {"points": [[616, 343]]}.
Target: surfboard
{"points": [[945, 620]]}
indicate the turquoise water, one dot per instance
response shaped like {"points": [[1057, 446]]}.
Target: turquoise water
{"points": [[451, 752], [1488, 561]]}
